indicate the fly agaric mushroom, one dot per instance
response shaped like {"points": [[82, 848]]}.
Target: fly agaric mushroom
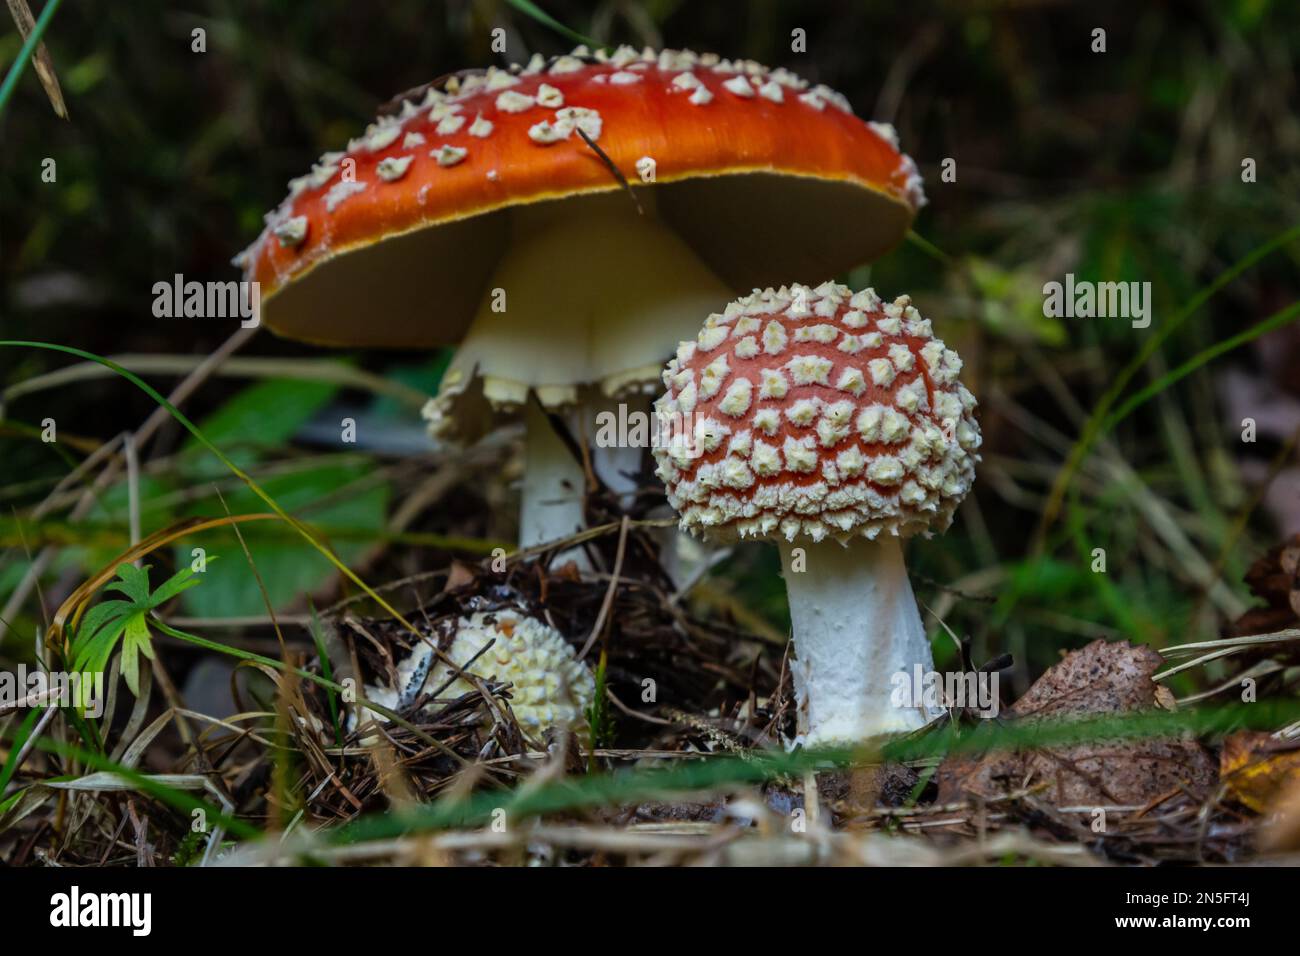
{"points": [[549, 686], [487, 209], [834, 423]]}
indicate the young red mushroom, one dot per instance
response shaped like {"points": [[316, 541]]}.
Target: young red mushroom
{"points": [[490, 209], [834, 423]]}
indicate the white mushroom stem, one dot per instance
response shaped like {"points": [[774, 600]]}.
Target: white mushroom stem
{"points": [[554, 482], [616, 464], [856, 626]]}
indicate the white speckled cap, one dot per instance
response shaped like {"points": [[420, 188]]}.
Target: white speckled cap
{"points": [[816, 412]]}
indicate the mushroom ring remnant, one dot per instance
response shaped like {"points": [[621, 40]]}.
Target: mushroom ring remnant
{"points": [[549, 686], [834, 423], [482, 211]]}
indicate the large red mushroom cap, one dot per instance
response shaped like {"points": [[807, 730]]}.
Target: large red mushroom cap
{"points": [[761, 173], [818, 413]]}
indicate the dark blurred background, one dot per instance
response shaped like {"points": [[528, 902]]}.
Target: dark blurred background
{"points": [[1123, 165]]}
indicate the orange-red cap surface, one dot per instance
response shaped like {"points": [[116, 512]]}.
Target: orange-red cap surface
{"points": [[391, 242]]}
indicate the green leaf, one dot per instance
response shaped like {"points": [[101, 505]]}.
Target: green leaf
{"points": [[137, 640], [11, 801], [1047, 579], [96, 663], [146, 645], [265, 415], [182, 580], [101, 644], [289, 567], [19, 739], [97, 637], [96, 618], [130, 661], [134, 583]]}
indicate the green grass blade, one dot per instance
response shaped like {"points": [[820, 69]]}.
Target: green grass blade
{"points": [[712, 773], [327, 671], [20, 739], [531, 9], [25, 54], [1273, 322], [1095, 427], [178, 799], [928, 247]]}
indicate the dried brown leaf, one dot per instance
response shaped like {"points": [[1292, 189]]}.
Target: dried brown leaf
{"points": [[1099, 680], [1257, 767]]}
